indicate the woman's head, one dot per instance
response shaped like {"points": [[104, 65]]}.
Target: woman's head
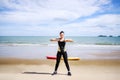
{"points": [[62, 34]]}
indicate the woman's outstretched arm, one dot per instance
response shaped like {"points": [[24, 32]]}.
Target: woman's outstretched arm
{"points": [[54, 39], [68, 40]]}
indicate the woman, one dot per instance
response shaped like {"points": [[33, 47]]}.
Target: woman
{"points": [[62, 52]]}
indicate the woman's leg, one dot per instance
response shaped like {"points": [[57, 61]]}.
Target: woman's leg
{"points": [[66, 60], [57, 63], [66, 63], [57, 60]]}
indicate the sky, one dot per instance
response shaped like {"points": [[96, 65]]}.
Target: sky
{"points": [[49, 17]]}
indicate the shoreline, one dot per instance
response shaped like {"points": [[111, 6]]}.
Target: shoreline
{"points": [[15, 61], [55, 44], [81, 51]]}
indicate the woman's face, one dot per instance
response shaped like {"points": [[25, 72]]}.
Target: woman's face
{"points": [[62, 35]]}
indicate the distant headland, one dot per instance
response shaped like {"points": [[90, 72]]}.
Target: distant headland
{"points": [[108, 36]]}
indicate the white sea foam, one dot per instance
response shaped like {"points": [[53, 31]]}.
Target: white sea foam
{"points": [[55, 44]]}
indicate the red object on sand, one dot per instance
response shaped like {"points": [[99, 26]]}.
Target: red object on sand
{"points": [[51, 57]]}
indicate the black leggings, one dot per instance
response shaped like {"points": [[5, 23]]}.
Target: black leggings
{"points": [[59, 54]]}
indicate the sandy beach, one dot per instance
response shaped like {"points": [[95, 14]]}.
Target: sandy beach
{"points": [[22, 69]]}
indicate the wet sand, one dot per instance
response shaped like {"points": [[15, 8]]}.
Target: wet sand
{"points": [[41, 69]]}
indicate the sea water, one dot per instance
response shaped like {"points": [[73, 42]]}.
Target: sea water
{"points": [[41, 40], [38, 47]]}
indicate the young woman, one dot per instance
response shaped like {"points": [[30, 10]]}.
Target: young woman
{"points": [[61, 52]]}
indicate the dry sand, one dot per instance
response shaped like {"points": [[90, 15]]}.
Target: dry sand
{"points": [[19, 69]]}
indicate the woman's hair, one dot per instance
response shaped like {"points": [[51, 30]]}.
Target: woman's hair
{"points": [[61, 32]]}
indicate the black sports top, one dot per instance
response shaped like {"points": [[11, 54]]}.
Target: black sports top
{"points": [[61, 45]]}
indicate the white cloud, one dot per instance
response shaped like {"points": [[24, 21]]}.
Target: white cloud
{"points": [[105, 20], [42, 16], [47, 11], [104, 24]]}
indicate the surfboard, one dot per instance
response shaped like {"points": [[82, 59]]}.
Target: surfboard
{"points": [[69, 58]]}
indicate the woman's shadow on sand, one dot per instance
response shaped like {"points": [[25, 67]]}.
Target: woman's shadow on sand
{"points": [[44, 73]]}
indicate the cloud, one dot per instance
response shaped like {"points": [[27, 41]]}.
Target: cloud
{"points": [[47, 11], [103, 24], [46, 17], [105, 20]]}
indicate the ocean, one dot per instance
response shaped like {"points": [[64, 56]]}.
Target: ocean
{"points": [[45, 40], [38, 47]]}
